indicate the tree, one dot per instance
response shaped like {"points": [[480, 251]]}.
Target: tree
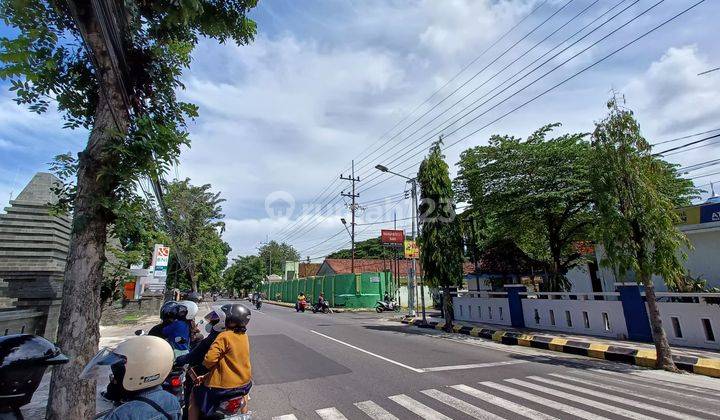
{"points": [[441, 243], [194, 221], [534, 192], [245, 274], [368, 249], [116, 76], [274, 254], [635, 194]]}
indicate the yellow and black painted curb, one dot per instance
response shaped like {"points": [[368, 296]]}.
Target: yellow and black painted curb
{"points": [[634, 356]]}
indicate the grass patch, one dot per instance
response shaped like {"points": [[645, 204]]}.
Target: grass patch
{"points": [[130, 318]]}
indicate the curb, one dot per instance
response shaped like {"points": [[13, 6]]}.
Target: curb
{"points": [[629, 355]]}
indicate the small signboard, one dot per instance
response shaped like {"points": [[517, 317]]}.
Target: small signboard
{"points": [[411, 249], [392, 236], [161, 257], [375, 279]]}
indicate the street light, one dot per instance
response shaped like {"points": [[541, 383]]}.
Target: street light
{"points": [[411, 276]]}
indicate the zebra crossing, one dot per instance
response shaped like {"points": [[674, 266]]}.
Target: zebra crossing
{"points": [[584, 394]]}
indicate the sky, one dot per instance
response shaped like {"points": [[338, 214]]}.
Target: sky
{"points": [[376, 81]]}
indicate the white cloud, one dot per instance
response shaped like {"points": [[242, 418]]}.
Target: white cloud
{"points": [[671, 98]]}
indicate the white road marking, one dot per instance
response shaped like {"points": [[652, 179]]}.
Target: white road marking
{"points": [[460, 405], [581, 400], [331, 413], [502, 403], [625, 380], [474, 366], [655, 382], [416, 370], [418, 408], [544, 401], [285, 417], [374, 411], [621, 400], [628, 391]]}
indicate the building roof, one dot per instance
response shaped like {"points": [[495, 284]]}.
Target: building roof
{"points": [[343, 266], [308, 269]]}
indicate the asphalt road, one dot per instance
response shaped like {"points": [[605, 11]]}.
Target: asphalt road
{"points": [[361, 365]]}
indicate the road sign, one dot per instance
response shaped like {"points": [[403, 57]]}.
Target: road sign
{"points": [[411, 249], [161, 257], [391, 236]]}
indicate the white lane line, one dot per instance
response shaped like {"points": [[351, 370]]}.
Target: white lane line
{"points": [[460, 405], [630, 392], [416, 370], [418, 408], [656, 382], [502, 403], [544, 401], [621, 400], [285, 417], [374, 411], [627, 380], [330, 413], [581, 400], [474, 366]]}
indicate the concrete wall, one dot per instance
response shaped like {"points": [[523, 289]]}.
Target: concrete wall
{"points": [[689, 328], [488, 310], [604, 317]]}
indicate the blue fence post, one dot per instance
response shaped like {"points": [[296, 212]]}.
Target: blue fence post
{"points": [[636, 316], [517, 319]]}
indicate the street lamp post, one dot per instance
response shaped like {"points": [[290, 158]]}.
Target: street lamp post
{"points": [[411, 274]]}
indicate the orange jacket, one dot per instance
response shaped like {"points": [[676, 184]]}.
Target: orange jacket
{"points": [[228, 360]]}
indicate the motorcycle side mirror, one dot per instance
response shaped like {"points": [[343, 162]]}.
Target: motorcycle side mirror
{"points": [[139, 332]]}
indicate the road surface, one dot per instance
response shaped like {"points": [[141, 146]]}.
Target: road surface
{"points": [[361, 366]]}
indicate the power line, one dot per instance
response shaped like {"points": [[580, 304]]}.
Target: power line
{"points": [[682, 146], [685, 137]]}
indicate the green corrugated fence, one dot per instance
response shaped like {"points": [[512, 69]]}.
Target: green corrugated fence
{"points": [[342, 290]]}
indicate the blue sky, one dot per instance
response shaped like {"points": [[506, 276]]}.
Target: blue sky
{"points": [[325, 79]]}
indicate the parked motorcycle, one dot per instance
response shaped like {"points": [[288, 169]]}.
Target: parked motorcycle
{"points": [[385, 306]]}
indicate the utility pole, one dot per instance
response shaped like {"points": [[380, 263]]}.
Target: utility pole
{"points": [[413, 268], [353, 207]]}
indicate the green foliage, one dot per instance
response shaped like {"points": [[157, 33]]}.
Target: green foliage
{"points": [[245, 273], [635, 194], [534, 193], [194, 221], [368, 249], [274, 254], [441, 247], [46, 61]]}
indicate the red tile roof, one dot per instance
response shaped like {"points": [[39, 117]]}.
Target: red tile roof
{"points": [[308, 269]]}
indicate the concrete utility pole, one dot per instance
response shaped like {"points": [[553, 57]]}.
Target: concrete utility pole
{"points": [[413, 268], [353, 207], [411, 273]]}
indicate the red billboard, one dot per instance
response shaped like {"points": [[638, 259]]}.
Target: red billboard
{"points": [[390, 236]]}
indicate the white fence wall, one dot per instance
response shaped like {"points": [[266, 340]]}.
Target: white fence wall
{"points": [[482, 307], [691, 324], [594, 317], [404, 296]]}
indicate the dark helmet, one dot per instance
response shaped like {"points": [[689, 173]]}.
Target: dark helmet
{"points": [[236, 314], [165, 310], [23, 361]]}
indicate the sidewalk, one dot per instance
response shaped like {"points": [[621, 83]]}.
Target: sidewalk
{"points": [[703, 362]]}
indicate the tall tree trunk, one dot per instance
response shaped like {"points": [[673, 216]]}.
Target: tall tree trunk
{"points": [[447, 308], [78, 330], [662, 346]]}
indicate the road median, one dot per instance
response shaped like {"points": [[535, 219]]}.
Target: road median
{"points": [[634, 355]]}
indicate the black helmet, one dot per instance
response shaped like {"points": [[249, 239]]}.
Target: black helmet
{"points": [[165, 310], [236, 314], [23, 360], [178, 311]]}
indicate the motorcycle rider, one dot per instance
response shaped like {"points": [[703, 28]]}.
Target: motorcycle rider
{"points": [[192, 310], [139, 365], [23, 361], [301, 300], [165, 319], [177, 332], [228, 362]]}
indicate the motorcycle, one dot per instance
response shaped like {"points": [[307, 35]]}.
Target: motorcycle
{"points": [[385, 306], [300, 306], [322, 307], [258, 304]]}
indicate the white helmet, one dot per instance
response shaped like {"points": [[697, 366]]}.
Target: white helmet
{"points": [[192, 308], [137, 363], [214, 320]]}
